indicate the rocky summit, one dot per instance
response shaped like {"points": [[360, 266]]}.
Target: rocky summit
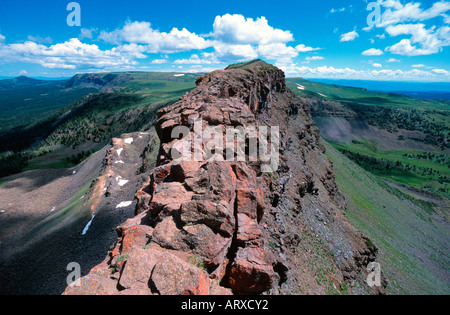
{"points": [[226, 227]]}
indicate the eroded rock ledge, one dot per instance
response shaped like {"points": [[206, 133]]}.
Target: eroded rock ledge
{"points": [[224, 227], [197, 222]]}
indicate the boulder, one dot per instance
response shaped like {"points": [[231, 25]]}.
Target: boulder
{"points": [[173, 276], [93, 284], [251, 271], [137, 271]]}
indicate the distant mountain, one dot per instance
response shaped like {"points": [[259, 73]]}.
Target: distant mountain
{"points": [[426, 90], [38, 100], [429, 95], [88, 108], [24, 82]]}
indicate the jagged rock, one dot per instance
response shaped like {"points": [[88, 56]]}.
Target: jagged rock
{"points": [[135, 236], [168, 235], [242, 225], [216, 289], [248, 229], [168, 197], [212, 247], [216, 213]]}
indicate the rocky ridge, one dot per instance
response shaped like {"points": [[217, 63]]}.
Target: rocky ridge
{"points": [[221, 227]]}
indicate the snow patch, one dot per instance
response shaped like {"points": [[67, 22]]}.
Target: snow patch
{"points": [[300, 87], [123, 182], [322, 94], [124, 204], [53, 209], [119, 152], [179, 75], [74, 172], [129, 140], [2, 211], [86, 228], [120, 161]]}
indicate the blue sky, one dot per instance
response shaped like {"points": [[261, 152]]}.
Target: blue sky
{"points": [[313, 39]]}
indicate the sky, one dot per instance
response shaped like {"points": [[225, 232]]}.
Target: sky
{"points": [[339, 39]]}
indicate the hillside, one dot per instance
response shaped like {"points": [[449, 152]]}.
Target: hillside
{"points": [[51, 217], [25, 101], [400, 138], [226, 227], [363, 96], [410, 230], [122, 102]]}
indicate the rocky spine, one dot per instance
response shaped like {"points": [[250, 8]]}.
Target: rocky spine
{"points": [[225, 227]]}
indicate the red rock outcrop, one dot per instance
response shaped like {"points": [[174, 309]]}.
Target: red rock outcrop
{"points": [[222, 227]]}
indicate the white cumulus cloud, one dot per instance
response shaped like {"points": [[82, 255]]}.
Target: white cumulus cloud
{"points": [[350, 36], [440, 71], [395, 12], [409, 20], [71, 54], [277, 51], [237, 29], [155, 41], [423, 41], [313, 58], [303, 48], [372, 52]]}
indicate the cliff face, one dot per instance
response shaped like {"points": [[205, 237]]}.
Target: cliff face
{"points": [[227, 227]]}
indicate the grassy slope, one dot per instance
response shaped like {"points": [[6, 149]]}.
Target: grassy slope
{"points": [[416, 179], [129, 104], [429, 114], [27, 102], [59, 158], [432, 112], [363, 96], [413, 243], [131, 107], [25, 106]]}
